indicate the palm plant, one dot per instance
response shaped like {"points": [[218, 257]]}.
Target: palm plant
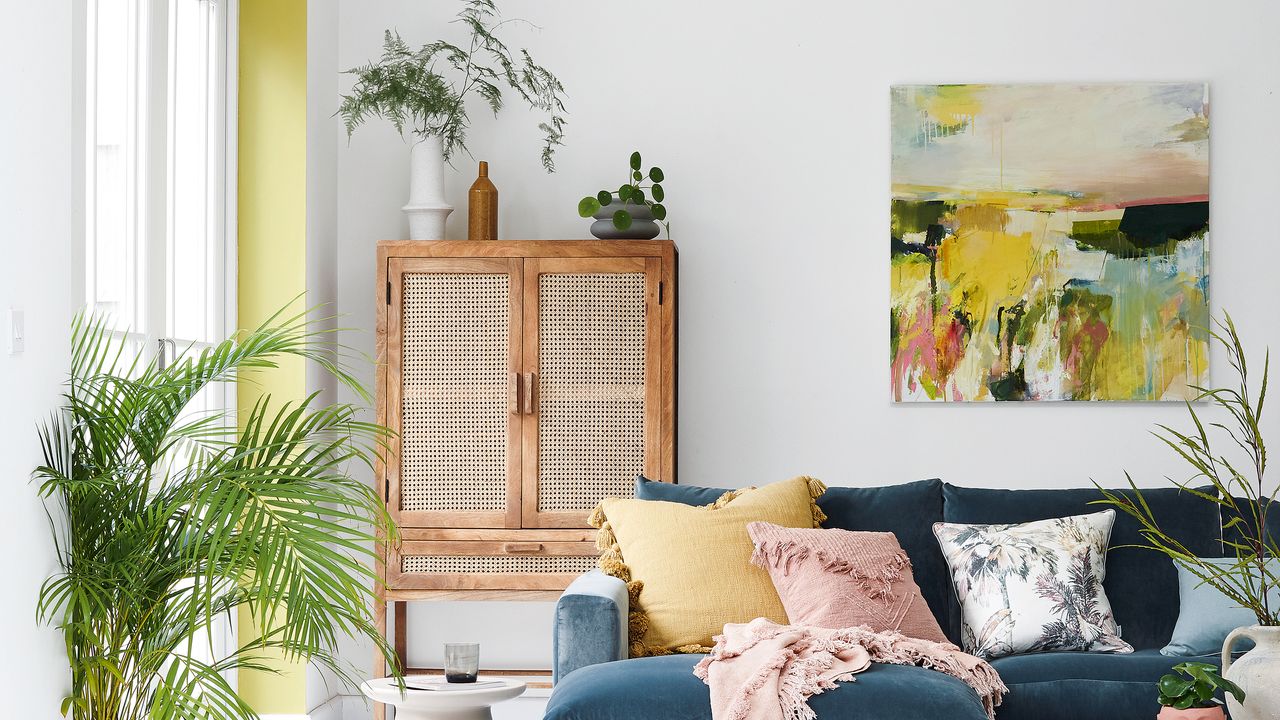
{"points": [[173, 518], [1237, 485]]}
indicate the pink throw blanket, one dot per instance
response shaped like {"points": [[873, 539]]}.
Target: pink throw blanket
{"points": [[764, 671]]}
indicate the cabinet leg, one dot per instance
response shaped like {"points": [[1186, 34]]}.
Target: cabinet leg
{"points": [[379, 662], [402, 634]]}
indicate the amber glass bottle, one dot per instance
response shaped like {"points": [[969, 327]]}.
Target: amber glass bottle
{"points": [[482, 207]]}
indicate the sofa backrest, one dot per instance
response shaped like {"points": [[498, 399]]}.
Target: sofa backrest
{"points": [[1142, 585]]}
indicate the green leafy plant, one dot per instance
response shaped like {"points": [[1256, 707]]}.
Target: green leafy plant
{"points": [[1197, 685], [171, 517], [1238, 486], [403, 86], [630, 193]]}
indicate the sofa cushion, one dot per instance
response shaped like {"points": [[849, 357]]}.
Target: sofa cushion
{"points": [[689, 568], [1141, 584], [1074, 685], [833, 578], [1033, 586], [647, 489], [908, 511], [664, 688], [1206, 616]]}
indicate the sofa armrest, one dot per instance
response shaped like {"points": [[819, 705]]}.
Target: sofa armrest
{"points": [[590, 623]]}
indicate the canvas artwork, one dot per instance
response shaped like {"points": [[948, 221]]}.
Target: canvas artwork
{"points": [[1049, 242]]}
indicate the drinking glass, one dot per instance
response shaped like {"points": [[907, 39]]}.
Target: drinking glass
{"points": [[461, 662]]}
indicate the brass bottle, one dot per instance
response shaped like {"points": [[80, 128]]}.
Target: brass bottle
{"points": [[482, 207]]}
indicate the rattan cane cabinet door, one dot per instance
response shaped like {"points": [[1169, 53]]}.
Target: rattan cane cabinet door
{"points": [[591, 359], [453, 353]]}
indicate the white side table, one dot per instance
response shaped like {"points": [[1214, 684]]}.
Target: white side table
{"points": [[441, 704]]}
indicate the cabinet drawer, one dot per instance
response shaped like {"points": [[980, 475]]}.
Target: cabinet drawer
{"points": [[524, 564]]}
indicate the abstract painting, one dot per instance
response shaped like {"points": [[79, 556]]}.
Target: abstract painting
{"points": [[1048, 242]]}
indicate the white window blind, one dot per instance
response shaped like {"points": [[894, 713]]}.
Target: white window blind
{"points": [[159, 257]]}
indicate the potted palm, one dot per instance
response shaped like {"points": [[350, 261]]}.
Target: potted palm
{"points": [[1245, 499], [408, 87], [170, 518]]}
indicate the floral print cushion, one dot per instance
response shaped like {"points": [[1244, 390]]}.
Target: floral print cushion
{"points": [[1032, 587]]}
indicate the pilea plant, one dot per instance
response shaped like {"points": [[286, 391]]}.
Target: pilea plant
{"points": [[630, 193], [1196, 685]]}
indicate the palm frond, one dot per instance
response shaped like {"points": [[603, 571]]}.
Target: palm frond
{"points": [[173, 519]]}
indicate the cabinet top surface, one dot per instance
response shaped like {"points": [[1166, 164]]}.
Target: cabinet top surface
{"points": [[525, 248]]}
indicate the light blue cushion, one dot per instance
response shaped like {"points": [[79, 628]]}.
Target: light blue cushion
{"points": [[1205, 615], [590, 623]]}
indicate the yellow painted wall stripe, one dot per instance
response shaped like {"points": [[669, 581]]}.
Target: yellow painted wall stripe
{"points": [[271, 230]]}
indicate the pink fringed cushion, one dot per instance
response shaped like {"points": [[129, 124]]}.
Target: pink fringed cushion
{"points": [[839, 579]]}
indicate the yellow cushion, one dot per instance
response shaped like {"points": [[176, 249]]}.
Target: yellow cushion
{"points": [[689, 568]]}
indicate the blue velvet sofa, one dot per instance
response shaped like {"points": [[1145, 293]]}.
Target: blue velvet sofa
{"points": [[596, 681]]}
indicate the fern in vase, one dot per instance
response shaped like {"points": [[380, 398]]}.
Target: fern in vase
{"points": [[404, 86]]}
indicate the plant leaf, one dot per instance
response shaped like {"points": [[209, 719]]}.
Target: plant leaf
{"points": [[657, 192], [635, 161], [659, 211], [655, 174], [622, 219], [604, 197], [588, 206]]}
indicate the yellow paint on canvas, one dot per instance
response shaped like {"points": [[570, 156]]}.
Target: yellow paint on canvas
{"points": [[951, 104]]}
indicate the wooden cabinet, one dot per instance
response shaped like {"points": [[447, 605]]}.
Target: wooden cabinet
{"points": [[524, 381]]}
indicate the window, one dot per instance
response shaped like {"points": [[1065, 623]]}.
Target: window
{"points": [[157, 248], [159, 256]]}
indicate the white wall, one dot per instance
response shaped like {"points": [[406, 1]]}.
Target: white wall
{"points": [[772, 125], [39, 274]]}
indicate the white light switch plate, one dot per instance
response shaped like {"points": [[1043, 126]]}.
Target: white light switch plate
{"points": [[17, 331]]}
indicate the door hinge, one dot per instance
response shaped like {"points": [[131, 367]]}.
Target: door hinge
{"points": [[388, 292], [386, 491], [660, 288]]}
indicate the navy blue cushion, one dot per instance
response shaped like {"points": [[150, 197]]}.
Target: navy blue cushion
{"points": [[664, 688], [647, 489], [1142, 585], [908, 511], [1074, 685]]}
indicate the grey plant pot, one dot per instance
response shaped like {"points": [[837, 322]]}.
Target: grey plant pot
{"points": [[642, 225]]}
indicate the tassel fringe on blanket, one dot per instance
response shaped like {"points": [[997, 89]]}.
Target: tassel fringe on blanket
{"points": [[764, 671]]}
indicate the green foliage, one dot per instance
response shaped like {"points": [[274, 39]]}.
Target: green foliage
{"points": [[174, 517], [631, 193], [404, 87], [1239, 487], [1197, 686]]}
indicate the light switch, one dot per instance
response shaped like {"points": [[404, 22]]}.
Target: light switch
{"points": [[17, 331]]}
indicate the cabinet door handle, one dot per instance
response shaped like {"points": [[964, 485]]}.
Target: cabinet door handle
{"points": [[513, 394], [522, 547], [530, 382]]}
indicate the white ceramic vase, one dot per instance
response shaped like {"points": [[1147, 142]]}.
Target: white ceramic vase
{"points": [[427, 209], [1257, 673]]}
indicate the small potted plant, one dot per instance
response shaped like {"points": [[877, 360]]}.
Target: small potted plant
{"points": [[1191, 692], [410, 88], [629, 212]]}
